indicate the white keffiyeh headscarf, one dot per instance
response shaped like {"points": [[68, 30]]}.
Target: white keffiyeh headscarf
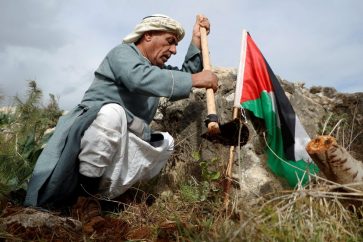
{"points": [[158, 22]]}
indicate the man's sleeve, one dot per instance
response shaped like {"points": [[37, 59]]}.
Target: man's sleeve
{"points": [[135, 73], [192, 62]]}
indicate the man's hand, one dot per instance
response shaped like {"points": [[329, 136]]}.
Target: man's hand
{"points": [[201, 21], [205, 79]]}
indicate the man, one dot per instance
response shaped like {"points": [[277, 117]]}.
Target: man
{"points": [[105, 145]]}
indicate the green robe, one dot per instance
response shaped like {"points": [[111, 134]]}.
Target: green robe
{"points": [[124, 77]]}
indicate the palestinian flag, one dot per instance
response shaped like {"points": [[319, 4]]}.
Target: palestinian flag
{"points": [[259, 91]]}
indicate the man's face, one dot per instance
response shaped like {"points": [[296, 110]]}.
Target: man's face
{"points": [[161, 46]]}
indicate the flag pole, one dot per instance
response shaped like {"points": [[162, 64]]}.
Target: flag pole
{"points": [[228, 172], [236, 107]]}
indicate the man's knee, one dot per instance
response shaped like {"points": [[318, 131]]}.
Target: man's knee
{"points": [[110, 116]]}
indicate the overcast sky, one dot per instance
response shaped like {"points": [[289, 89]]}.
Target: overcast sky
{"points": [[60, 43]]}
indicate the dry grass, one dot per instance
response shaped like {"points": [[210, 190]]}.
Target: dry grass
{"points": [[318, 212], [315, 213]]}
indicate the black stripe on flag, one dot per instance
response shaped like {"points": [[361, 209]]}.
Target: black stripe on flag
{"points": [[286, 115]]}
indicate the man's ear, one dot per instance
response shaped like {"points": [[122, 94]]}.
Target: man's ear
{"points": [[148, 36]]}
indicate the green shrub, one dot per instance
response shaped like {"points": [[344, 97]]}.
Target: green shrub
{"points": [[22, 138]]}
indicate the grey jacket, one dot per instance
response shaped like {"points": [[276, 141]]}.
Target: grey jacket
{"points": [[124, 77]]}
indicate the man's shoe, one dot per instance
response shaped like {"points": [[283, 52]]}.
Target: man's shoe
{"points": [[88, 211]]}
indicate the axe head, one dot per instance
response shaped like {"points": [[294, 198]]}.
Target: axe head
{"points": [[229, 134]]}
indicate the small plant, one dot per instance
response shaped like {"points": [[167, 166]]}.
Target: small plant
{"points": [[208, 167], [191, 192], [22, 138], [207, 187]]}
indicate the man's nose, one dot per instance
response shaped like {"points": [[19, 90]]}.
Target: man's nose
{"points": [[172, 49]]}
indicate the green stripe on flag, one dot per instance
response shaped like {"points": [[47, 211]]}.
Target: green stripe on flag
{"points": [[263, 108]]}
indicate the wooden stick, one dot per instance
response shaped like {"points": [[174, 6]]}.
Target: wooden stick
{"points": [[228, 173], [213, 127]]}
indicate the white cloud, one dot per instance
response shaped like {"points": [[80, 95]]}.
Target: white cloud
{"points": [[60, 44]]}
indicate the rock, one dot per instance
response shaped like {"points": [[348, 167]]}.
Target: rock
{"points": [[32, 218], [29, 223]]}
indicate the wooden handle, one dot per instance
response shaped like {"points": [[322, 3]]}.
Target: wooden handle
{"points": [[213, 127]]}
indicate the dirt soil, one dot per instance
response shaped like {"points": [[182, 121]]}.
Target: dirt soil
{"points": [[19, 223]]}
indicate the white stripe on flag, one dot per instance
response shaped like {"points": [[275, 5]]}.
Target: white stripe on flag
{"points": [[241, 70], [301, 140]]}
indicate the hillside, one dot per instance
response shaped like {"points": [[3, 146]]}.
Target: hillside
{"points": [[185, 202]]}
